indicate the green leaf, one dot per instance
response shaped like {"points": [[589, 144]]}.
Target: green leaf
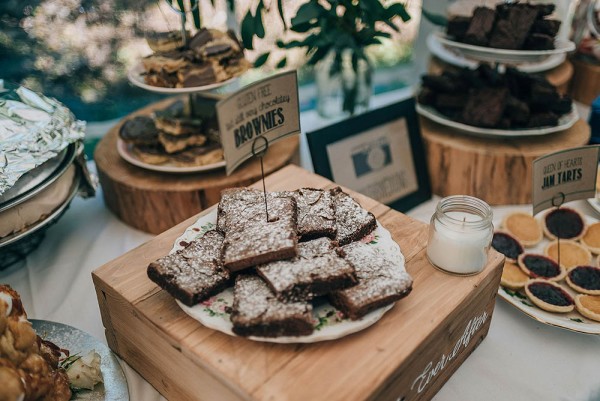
{"points": [[259, 29], [247, 30], [196, 13], [435, 19], [318, 55], [304, 27], [399, 10], [281, 15], [282, 63], [261, 60], [306, 13]]}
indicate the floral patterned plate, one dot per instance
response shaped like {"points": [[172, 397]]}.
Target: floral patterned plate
{"points": [[570, 321], [329, 323]]}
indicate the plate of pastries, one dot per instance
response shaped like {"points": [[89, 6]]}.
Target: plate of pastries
{"points": [[552, 268], [173, 140], [207, 60], [313, 266]]}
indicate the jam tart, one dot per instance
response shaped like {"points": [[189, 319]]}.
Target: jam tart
{"points": [[524, 227], [549, 296], [540, 266], [584, 279], [507, 245], [591, 238], [564, 223], [588, 306], [513, 277], [571, 253]]}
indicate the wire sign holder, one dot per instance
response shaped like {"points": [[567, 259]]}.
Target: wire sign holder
{"points": [[260, 154]]}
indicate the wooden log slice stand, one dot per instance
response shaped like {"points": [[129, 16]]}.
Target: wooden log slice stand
{"points": [[585, 86], [154, 201], [497, 170]]}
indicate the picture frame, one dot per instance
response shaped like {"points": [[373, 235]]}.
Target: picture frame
{"points": [[379, 153]]}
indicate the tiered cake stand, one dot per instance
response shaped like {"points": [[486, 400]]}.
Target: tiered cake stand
{"points": [[495, 166]]}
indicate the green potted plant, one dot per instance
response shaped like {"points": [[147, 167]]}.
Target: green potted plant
{"points": [[337, 33]]}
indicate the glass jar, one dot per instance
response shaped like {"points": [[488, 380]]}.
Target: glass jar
{"points": [[460, 235]]}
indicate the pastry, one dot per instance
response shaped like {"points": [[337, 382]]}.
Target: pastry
{"points": [[352, 221], [381, 281], [584, 279], [257, 241], [549, 296], [540, 266], [29, 366], [571, 253], [565, 223], [588, 306], [201, 75], [507, 245], [511, 31], [524, 227], [485, 107], [591, 238], [316, 213], [480, 26], [258, 312], [165, 41], [194, 273], [177, 143], [316, 271], [151, 154], [178, 125], [513, 277], [139, 130], [170, 62]]}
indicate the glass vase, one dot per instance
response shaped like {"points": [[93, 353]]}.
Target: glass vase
{"points": [[344, 85]]}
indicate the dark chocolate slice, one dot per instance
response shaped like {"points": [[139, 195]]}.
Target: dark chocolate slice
{"points": [[352, 221], [507, 245], [550, 294], [564, 223], [316, 213], [480, 27]]}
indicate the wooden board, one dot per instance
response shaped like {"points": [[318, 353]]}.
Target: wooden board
{"points": [[153, 201], [408, 355], [559, 76], [585, 86], [498, 171]]}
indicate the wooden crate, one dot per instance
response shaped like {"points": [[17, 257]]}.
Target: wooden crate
{"points": [[408, 355]]}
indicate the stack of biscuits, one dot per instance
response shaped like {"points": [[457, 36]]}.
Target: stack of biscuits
{"points": [[307, 246], [209, 57], [173, 136]]}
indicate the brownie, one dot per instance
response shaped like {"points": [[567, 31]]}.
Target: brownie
{"points": [[511, 31], [439, 83], [548, 27], [249, 238], [139, 130], [426, 97], [352, 221], [547, 119], [316, 213], [539, 41], [317, 270], [563, 105], [257, 312], [485, 107], [517, 111], [480, 27], [457, 27], [451, 101], [194, 273], [381, 281]]}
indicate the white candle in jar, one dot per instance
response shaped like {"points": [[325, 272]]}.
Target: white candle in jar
{"points": [[460, 235]]}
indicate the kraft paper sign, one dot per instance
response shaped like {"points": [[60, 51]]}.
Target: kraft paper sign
{"points": [[267, 109], [564, 176]]}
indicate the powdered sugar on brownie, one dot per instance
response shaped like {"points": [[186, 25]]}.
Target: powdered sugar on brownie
{"points": [[352, 221], [316, 214], [317, 270]]}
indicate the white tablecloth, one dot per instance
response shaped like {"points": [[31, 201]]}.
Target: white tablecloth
{"points": [[520, 359]]}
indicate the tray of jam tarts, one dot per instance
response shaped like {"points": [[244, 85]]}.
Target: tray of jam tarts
{"points": [[552, 269]]}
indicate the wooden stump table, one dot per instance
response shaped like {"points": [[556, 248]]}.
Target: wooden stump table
{"points": [[497, 170], [153, 201]]}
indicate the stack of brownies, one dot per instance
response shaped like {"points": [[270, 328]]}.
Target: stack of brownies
{"points": [[279, 258], [173, 136]]}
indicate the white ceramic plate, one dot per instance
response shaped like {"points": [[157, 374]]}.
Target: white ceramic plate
{"points": [[77, 341], [455, 57], [125, 153], [504, 56], [564, 122], [328, 322], [570, 321], [135, 77]]}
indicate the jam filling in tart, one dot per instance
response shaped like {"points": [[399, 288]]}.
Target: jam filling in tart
{"points": [[507, 245], [551, 294], [564, 223], [586, 277], [539, 266]]}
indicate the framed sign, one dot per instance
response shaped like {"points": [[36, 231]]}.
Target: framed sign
{"points": [[379, 154]]}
